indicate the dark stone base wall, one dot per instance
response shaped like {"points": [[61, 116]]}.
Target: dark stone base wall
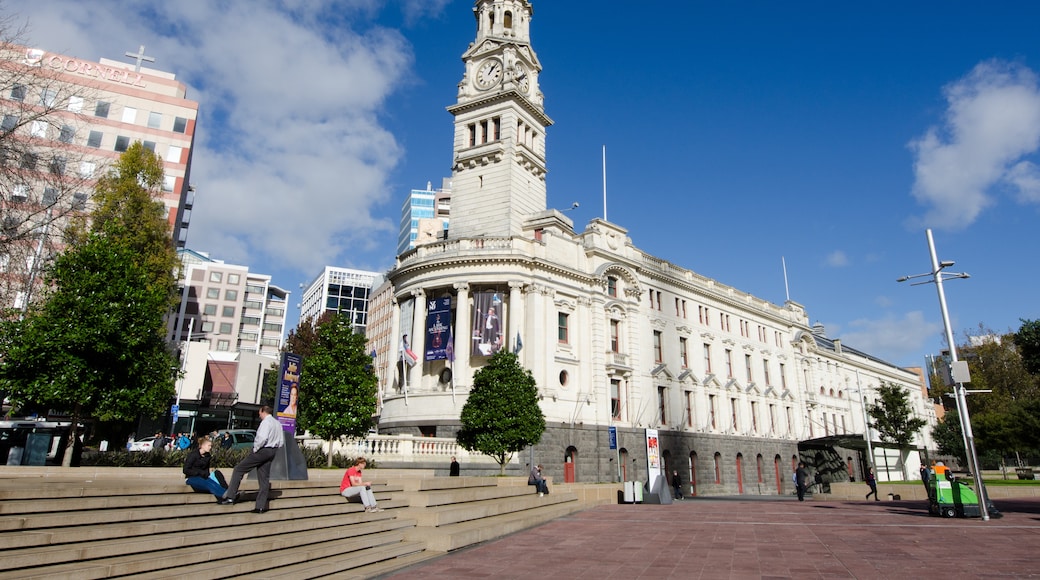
{"points": [[595, 462]]}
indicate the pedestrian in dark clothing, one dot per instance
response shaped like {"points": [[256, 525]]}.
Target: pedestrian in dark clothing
{"points": [[801, 480], [677, 485], [453, 471], [872, 483]]}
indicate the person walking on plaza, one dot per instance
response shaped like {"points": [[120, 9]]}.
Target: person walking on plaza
{"points": [[354, 486], [197, 472], [801, 480], [453, 470], [872, 483], [677, 484], [268, 439]]}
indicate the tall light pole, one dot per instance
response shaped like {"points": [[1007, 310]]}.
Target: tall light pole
{"points": [[938, 276], [866, 425]]}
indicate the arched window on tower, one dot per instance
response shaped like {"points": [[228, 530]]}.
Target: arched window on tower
{"points": [[507, 21]]}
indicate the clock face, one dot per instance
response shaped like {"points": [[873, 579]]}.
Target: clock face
{"points": [[489, 74], [523, 82]]}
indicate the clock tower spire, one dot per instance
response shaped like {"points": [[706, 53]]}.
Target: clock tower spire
{"points": [[498, 173]]}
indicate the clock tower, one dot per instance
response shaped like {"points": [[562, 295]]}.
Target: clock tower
{"points": [[498, 171]]}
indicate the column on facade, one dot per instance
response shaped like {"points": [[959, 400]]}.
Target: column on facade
{"points": [[460, 369], [418, 341], [592, 326], [395, 347], [516, 316], [580, 339], [543, 347]]}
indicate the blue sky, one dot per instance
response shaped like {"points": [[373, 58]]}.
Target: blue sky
{"points": [[829, 134]]}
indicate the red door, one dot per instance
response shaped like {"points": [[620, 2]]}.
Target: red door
{"points": [[568, 472]]}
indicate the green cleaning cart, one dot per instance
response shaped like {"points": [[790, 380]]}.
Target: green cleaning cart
{"points": [[950, 497]]}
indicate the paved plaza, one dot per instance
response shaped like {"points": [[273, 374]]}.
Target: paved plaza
{"points": [[758, 538]]}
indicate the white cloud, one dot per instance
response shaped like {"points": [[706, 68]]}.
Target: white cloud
{"points": [[992, 121], [1025, 177], [837, 259], [891, 338], [292, 158]]}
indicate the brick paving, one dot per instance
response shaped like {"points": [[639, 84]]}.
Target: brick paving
{"points": [[757, 538]]}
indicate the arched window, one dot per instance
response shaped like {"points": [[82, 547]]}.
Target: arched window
{"points": [[718, 468], [758, 464], [508, 20], [623, 463]]}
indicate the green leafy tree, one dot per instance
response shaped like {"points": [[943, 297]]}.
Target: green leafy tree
{"points": [[95, 348], [501, 415], [893, 418], [948, 437], [301, 341], [128, 206], [337, 385], [1027, 339]]}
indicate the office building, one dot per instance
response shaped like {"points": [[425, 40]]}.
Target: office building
{"points": [[424, 216], [340, 290], [67, 120]]}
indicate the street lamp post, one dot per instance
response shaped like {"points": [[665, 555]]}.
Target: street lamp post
{"points": [[938, 276]]}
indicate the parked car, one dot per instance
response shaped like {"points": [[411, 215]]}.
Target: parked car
{"points": [[237, 439], [142, 444]]}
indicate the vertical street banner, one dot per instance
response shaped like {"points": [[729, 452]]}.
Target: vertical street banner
{"points": [[488, 331], [288, 391], [653, 457], [438, 328]]}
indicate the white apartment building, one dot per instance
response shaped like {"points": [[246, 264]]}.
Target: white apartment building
{"points": [[229, 327]]}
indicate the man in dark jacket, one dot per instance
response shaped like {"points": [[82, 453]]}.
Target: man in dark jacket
{"points": [[801, 480]]}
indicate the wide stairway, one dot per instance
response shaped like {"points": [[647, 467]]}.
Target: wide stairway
{"points": [[145, 523]]}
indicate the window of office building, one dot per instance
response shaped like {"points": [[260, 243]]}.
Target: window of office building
{"points": [[94, 139], [180, 125], [129, 115], [213, 293], [154, 120], [101, 109], [209, 309], [122, 143], [231, 295], [228, 311], [225, 328], [615, 398]]}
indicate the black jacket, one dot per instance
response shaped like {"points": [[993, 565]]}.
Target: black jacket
{"points": [[196, 464]]}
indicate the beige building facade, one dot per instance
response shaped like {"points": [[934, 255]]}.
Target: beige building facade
{"points": [[737, 388], [66, 120]]}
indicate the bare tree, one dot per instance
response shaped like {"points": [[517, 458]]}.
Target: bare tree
{"points": [[45, 169]]}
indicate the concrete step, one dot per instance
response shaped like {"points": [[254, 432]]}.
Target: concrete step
{"points": [[465, 494], [361, 564], [344, 553], [473, 510], [212, 548], [131, 523], [455, 536], [388, 566]]}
